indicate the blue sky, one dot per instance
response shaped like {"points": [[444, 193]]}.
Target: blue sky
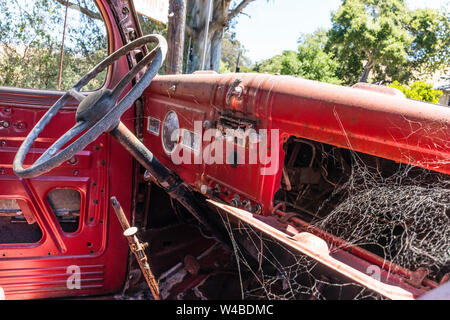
{"points": [[275, 25]]}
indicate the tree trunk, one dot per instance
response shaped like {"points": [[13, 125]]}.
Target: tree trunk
{"points": [[175, 36], [220, 14], [367, 68], [216, 50], [197, 15]]}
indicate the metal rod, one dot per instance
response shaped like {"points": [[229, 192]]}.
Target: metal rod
{"points": [[317, 249], [61, 57], [137, 247], [120, 214], [205, 41], [358, 251], [167, 179]]}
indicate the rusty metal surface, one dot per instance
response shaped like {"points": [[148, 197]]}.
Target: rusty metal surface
{"points": [[394, 270], [167, 179], [191, 264], [170, 246], [137, 247], [384, 125], [380, 124], [366, 119], [316, 248]]}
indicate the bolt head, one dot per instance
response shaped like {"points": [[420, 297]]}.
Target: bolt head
{"points": [[204, 189]]}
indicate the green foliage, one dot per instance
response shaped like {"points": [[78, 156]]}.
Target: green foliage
{"points": [[149, 26], [274, 65], [430, 49], [369, 33], [314, 62], [30, 44], [231, 50], [386, 40], [310, 61], [224, 67], [418, 90]]}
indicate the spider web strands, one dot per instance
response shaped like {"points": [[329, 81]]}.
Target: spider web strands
{"points": [[394, 215], [409, 205], [260, 284], [317, 249], [337, 245]]}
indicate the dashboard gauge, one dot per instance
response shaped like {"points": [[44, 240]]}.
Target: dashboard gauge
{"points": [[170, 132]]}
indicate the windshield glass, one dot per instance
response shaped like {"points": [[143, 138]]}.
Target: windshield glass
{"points": [[31, 41]]}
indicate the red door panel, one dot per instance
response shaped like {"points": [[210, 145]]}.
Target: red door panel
{"points": [[96, 248]]}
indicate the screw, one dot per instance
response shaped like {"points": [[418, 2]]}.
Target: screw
{"points": [[237, 91], [132, 35], [204, 189], [20, 125], [236, 202], [247, 205], [257, 208], [73, 160]]}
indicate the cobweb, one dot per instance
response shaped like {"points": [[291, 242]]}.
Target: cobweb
{"points": [[282, 274], [400, 214], [403, 219]]}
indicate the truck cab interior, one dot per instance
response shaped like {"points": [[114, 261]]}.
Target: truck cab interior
{"points": [[347, 196]]}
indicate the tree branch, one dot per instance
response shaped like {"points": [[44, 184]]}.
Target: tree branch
{"points": [[241, 6], [190, 31], [217, 25], [89, 13], [221, 23]]}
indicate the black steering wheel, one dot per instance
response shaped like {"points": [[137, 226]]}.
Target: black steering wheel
{"points": [[97, 112]]}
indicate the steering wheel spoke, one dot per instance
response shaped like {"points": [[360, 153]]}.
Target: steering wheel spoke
{"points": [[121, 85], [77, 95]]}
